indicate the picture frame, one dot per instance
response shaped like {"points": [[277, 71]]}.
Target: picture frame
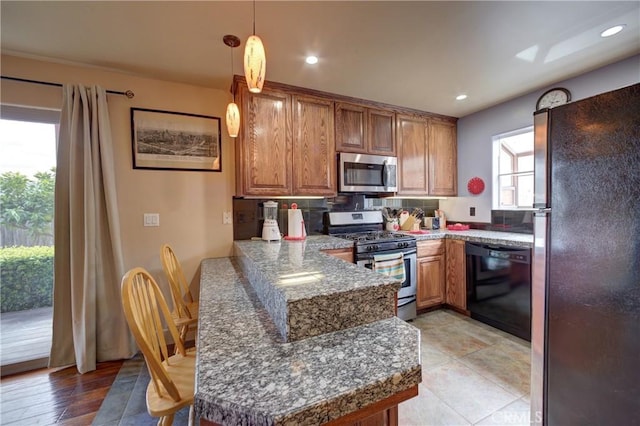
{"points": [[167, 140]]}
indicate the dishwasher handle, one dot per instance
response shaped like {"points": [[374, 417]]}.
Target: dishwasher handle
{"points": [[513, 254]]}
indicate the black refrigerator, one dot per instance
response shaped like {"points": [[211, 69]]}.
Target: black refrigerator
{"points": [[586, 265]]}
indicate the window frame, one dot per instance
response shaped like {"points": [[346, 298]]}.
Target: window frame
{"points": [[498, 148]]}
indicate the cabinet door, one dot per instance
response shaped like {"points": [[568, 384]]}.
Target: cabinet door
{"points": [[381, 129], [412, 155], [443, 158], [344, 254], [314, 164], [456, 274], [431, 273], [264, 147], [351, 128]]}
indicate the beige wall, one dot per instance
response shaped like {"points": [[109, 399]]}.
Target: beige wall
{"points": [[190, 204]]}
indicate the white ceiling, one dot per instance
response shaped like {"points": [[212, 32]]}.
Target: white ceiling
{"points": [[414, 54]]}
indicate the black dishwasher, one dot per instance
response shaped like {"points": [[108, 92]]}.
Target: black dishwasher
{"points": [[499, 287]]}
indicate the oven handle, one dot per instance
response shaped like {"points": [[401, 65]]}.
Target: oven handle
{"points": [[369, 256]]}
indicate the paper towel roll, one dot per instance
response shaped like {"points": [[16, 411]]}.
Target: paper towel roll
{"points": [[296, 224]]}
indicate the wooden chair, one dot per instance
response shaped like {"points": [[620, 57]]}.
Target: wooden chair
{"points": [[185, 309], [172, 377]]}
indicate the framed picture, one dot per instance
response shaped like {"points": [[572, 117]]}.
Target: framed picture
{"points": [[175, 141]]}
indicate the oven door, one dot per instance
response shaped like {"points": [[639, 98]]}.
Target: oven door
{"points": [[407, 293]]}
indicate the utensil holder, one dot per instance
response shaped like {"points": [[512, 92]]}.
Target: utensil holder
{"points": [[407, 225]]}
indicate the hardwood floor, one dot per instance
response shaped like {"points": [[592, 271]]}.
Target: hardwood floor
{"points": [[55, 396]]}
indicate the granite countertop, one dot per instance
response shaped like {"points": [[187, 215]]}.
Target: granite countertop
{"points": [[479, 236], [246, 375], [308, 292]]}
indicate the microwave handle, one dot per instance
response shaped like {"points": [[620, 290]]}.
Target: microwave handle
{"points": [[385, 174]]}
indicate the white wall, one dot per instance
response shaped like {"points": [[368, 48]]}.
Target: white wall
{"points": [[475, 132], [190, 203]]}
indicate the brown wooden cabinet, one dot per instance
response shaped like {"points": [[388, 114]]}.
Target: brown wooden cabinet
{"points": [[412, 139], [431, 274], [345, 254], [264, 148], [289, 137], [456, 274], [382, 132], [314, 166], [443, 158], [351, 128], [427, 155], [286, 145], [365, 130]]}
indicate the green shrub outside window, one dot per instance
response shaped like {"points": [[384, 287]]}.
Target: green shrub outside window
{"points": [[26, 278]]}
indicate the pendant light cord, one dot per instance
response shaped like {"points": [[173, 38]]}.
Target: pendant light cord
{"points": [[254, 17], [233, 94]]}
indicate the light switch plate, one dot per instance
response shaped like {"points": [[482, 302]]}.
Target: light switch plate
{"points": [[226, 218], [152, 219]]}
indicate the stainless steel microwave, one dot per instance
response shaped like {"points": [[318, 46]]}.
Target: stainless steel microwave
{"points": [[367, 173]]}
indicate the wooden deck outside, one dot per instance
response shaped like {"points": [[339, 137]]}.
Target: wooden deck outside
{"points": [[25, 340]]}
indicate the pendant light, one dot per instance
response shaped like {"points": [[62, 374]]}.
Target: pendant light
{"points": [[233, 113], [255, 61]]}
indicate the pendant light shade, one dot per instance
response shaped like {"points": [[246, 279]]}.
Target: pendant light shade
{"points": [[233, 113], [255, 60], [255, 63], [233, 119]]}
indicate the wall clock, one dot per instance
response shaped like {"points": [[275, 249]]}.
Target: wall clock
{"points": [[475, 186], [553, 97]]}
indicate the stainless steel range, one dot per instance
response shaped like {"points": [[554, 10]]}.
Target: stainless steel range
{"points": [[365, 228]]}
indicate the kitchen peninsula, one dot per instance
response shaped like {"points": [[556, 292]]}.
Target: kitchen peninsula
{"points": [[261, 361]]}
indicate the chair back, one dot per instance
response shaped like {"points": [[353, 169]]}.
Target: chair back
{"points": [[145, 309], [178, 283]]}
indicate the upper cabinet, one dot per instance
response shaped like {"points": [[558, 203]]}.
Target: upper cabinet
{"points": [[289, 137], [413, 155], [286, 145], [264, 148], [427, 155], [351, 128], [382, 132], [365, 130], [443, 158], [314, 165]]}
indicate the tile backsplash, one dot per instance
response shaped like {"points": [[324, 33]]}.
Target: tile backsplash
{"points": [[248, 214]]}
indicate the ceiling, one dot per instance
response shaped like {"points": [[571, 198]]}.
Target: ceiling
{"points": [[414, 54]]}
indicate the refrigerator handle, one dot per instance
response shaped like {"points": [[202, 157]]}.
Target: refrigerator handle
{"points": [[541, 159], [538, 314]]}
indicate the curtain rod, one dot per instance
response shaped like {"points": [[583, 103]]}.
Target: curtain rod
{"points": [[128, 93]]}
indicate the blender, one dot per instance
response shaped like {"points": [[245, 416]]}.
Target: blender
{"points": [[270, 230]]}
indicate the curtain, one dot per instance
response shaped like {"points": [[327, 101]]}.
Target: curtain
{"points": [[88, 321]]}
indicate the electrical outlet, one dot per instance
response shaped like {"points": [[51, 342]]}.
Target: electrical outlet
{"points": [[472, 211], [151, 219], [227, 218]]}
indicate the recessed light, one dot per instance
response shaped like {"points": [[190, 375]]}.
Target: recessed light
{"points": [[612, 31], [461, 97], [311, 60]]}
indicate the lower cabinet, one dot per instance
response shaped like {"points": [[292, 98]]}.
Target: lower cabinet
{"points": [[456, 274], [345, 254], [431, 274]]}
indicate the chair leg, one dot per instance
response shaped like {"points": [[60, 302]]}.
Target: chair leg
{"points": [[166, 420], [192, 416]]}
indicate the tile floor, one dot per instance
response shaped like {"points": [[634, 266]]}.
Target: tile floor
{"points": [[472, 374]]}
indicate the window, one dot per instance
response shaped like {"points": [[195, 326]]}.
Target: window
{"points": [[513, 169], [28, 139]]}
